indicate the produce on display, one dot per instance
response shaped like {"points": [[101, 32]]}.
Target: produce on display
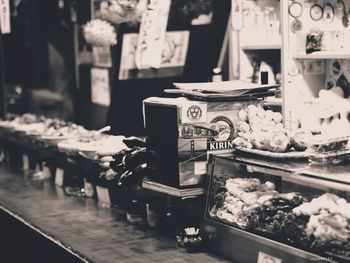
{"points": [[263, 130], [319, 223], [68, 137], [124, 159], [130, 165]]}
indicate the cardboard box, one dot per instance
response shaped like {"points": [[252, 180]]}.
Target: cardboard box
{"points": [[183, 132]]}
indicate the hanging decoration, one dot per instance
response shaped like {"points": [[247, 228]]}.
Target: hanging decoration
{"points": [[115, 12], [296, 10], [120, 11], [100, 33], [316, 12], [328, 13]]}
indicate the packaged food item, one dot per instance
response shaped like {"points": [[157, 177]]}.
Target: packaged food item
{"points": [[313, 41]]}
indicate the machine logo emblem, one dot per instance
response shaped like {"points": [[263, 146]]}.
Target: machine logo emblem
{"points": [[194, 112]]}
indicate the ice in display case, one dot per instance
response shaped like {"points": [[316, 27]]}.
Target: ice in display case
{"points": [[279, 213]]}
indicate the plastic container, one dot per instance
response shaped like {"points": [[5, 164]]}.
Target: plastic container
{"points": [[320, 144], [330, 158]]}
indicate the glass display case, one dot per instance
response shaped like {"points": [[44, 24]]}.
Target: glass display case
{"points": [[277, 211]]}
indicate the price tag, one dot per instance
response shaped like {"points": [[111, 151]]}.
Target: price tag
{"points": [[25, 161], [5, 23], [103, 195], [265, 258], [46, 173], [88, 188], [59, 177]]}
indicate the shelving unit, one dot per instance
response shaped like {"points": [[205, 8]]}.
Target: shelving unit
{"points": [[304, 75], [261, 46], [254, 37], [323, 55]]}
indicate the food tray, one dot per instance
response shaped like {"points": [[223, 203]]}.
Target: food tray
{"points": [[286, 155]]}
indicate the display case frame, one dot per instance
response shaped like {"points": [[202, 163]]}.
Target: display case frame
{"points": [[242, 246]]}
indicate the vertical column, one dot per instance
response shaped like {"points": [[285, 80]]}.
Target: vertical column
{"points": [[2, 80]]}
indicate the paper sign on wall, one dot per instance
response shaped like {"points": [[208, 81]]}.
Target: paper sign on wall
{"points": [[174, 56], [152, 34], [5, 23], [101, 57], [100, 93]]}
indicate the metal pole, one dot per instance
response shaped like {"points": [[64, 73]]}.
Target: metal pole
{"points": [[2, 80]]}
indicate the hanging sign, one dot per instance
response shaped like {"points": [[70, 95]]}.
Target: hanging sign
{"points": [[152, 34], [5, 23], [100, 93]]}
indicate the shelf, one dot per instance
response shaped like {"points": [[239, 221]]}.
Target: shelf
{"points": [[261, 47], [323, 55], [165, 189]]}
